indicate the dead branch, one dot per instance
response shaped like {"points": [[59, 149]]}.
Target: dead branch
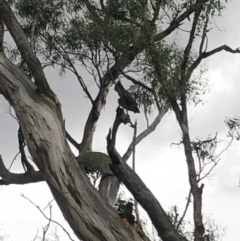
{"points": [[137, 187], [134, 169], [121, 117], [13, 178], [47, 226], [147, 200], [72, 141], [185, 210], [49, 219], [145, 133], [208, 54]]}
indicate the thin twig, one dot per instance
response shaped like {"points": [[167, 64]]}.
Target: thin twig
{"points": [[49, 219], [134, 169], [185, 210]]}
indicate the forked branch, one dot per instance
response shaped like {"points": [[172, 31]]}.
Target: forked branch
{"points": [[26, 51], [140, 192], [13, 178]]}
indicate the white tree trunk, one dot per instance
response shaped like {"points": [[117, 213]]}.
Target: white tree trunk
{"points": [[41, 121]]}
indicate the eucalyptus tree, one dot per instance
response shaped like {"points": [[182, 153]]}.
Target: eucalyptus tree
{"points": [[112, 39]]}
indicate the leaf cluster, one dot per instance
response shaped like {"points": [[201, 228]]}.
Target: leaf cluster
{"points": [[166, 79], [233, 125]]}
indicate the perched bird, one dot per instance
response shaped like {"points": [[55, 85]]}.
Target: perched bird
{"points": [[126, 100], [127, 213]]}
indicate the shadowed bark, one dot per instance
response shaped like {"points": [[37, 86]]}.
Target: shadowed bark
{"points": [[139, 190], [8, 177]]}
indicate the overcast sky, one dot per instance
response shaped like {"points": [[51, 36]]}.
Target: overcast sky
{"points": [[161, 166]]}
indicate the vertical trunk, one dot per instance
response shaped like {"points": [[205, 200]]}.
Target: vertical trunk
{"points": [[195, 189]]}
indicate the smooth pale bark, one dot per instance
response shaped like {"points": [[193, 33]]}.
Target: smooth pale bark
{"points": [[88, 214], [109, 184], [108, 188]]}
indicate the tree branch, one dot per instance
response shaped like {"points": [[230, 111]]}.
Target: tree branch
{"points": [[176, 22], [72, 141], [74, 70], [85, 210], [143, 195], [185, 210], [121, 117], [208, 54], [145, 133], [134, 81], [191, 39], [99, 102], [112, 74], [26, 51], [13, 178]]}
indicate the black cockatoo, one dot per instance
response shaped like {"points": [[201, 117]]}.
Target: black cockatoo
{"points": [[127, 213], [126, 100]]}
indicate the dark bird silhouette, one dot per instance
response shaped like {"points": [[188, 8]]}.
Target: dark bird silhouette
{"points": [[127, 213], [126, 100]]}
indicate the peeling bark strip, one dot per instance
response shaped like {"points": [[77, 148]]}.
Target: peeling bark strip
{"points": [[90, 217]]}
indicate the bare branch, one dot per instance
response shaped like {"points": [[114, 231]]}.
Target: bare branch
{"points": [[156, 10], [72, 141], [134, 169], [191, 38], [90, 126], [13, 178], [74, 70], [49, 219], [145, 133], [47, 226], [133, 80], [121, 117], [176, 22], [185, 210], [102, 5], [208, 54], [147, 200], [138, 189]]}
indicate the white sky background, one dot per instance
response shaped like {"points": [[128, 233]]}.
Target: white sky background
{"points": [[160, 166]]}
